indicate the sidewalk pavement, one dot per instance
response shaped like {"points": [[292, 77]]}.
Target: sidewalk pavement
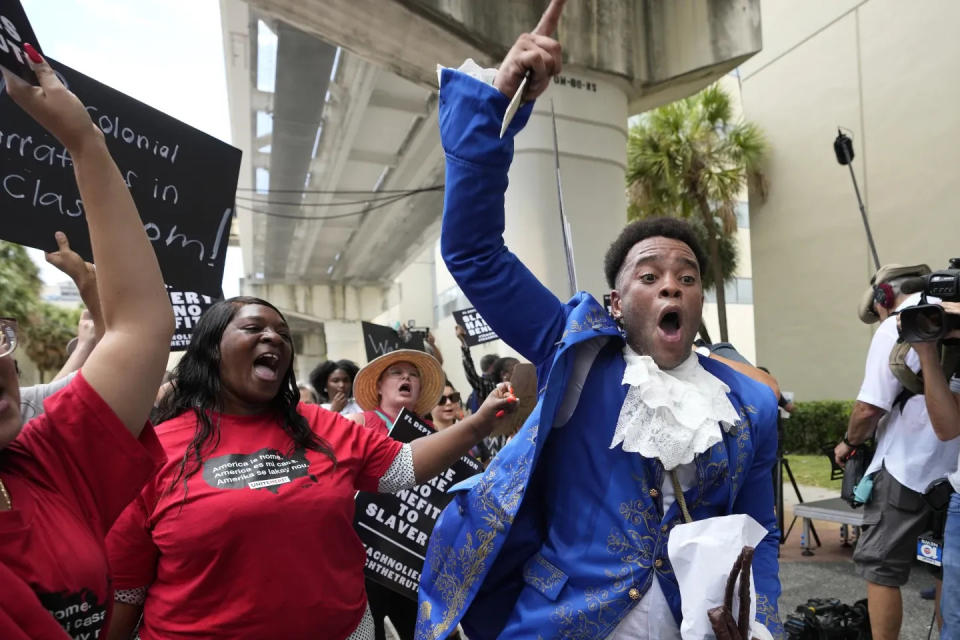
{"points": [[830, 572]]}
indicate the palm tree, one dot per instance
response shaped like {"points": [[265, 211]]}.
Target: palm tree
{"points": [[689, 159]]}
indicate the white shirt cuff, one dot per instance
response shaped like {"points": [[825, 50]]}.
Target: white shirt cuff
{"points": [[472, 69]]}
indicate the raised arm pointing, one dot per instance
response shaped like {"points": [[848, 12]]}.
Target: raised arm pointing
{"points": [[536, 52]]}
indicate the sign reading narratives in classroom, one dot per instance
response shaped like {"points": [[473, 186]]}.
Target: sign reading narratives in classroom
{"points": [[379, 339], [478, 331], [395, 528], [182, 180], [188, 306], [15, 31]]}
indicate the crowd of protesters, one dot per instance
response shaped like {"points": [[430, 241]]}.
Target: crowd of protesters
{"points": [[217, 500], [214, 500]]}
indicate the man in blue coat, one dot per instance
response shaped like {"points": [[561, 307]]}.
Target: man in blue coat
{"points": [[565, 534]]}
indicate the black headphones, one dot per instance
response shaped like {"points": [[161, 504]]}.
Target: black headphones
{"points": [[883, 295]]}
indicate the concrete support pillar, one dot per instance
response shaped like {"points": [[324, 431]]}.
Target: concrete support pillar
{"points": [[591, 115]]}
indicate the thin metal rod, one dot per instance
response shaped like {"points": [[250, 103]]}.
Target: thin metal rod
{"points": [[863, 214], [564, 225]]}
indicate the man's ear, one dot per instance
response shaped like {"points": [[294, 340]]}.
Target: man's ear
{"points": [[615, 304]]}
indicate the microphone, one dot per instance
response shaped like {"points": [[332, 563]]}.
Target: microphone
{"points": [[913, 285]]}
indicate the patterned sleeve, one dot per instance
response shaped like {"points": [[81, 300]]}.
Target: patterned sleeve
{"points": [[400, 475], [135, 596]]}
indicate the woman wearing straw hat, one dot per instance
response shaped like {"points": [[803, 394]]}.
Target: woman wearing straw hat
{"points": [[247, 531], [402, 379]]}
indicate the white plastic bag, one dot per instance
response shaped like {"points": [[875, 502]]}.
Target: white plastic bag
{"points": [[702, 554]]}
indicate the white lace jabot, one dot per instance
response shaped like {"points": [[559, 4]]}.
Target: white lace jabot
{"points": [[671, 415]]}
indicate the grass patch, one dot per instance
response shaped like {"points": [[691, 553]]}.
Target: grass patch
{"points": [[812, 470]]}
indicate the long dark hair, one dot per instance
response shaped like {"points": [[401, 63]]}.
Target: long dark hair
{"points": [[197, 388]]}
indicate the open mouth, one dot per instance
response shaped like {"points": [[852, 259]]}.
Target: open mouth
{"points": [[266, 367], [405, 388], [670, 324]]}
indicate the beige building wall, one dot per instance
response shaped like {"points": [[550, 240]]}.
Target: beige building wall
{"points": [[886, 70]]}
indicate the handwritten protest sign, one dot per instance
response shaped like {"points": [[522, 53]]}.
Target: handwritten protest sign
{"points": [[478, 331], [182, 180], [188, 306], [378, 340], [395, 528], [15, 31]]}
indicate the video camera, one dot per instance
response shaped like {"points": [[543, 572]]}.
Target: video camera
{"points": [[929, 322]]}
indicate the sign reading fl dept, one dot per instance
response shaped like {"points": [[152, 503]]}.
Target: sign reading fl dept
{"points": [[395, 528], [182, 180]]}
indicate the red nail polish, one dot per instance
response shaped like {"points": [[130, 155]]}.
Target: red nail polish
{"points": [[501, 413], [32, 53]]}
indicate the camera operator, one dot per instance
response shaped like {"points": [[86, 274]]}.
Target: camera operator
{"points": [[908, 459], [943, 407]]}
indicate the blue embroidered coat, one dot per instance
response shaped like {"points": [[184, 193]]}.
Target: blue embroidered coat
{"points": [[561, 536]]}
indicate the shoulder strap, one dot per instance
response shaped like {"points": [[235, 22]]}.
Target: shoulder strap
{"points": [[385, 419]]}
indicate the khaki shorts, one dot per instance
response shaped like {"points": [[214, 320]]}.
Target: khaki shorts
{"points": [[893, 518]]}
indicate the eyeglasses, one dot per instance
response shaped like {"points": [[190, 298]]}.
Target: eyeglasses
{"points": [[453, 397], [8, 336]]}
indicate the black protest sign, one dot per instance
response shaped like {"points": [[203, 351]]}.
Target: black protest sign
{"points": [[188, 306], [395, 528], [478, 331], [15, 31], [378, 340], [264, 469], [182, 180], [608, 303]]}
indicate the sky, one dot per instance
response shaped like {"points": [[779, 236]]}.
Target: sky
{"points": [[166, 53]]}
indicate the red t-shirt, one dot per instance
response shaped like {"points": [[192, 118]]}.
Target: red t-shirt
{"points": [[263, 545], [70, 473]]}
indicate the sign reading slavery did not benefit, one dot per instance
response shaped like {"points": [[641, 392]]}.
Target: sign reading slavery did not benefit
{"points": [[188, 306], [182, 180], [478, 331], [395, 528]]}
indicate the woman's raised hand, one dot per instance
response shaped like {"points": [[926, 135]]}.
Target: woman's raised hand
{"points": [[52, 105]]}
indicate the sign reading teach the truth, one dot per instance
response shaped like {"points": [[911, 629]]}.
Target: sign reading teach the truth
{"points": [[378, 340], [188, 306], [478, 331], [15, 31], [182, 180], [395, 528]]}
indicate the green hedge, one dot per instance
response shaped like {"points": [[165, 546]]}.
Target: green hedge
{"points": [[814, 424]]}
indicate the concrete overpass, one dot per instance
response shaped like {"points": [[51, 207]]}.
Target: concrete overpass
{"points": [[334, 105]]}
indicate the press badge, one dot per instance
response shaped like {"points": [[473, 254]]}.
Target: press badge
{"points": [[930, 551]]}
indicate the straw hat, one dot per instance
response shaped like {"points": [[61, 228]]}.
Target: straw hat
{"points": [[432, 379], [886, 273]]}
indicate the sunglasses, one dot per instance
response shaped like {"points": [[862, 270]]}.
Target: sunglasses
{"points": [[8, 336], [453, 397]]}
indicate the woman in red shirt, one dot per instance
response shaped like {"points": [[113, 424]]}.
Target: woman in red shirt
{"points": [[68, 473], [247, 531]]}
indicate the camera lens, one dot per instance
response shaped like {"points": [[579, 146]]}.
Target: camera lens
{"points": [[929, 322]]}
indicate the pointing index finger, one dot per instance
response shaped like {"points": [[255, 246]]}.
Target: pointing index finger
{"points": [[550, 18]]}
